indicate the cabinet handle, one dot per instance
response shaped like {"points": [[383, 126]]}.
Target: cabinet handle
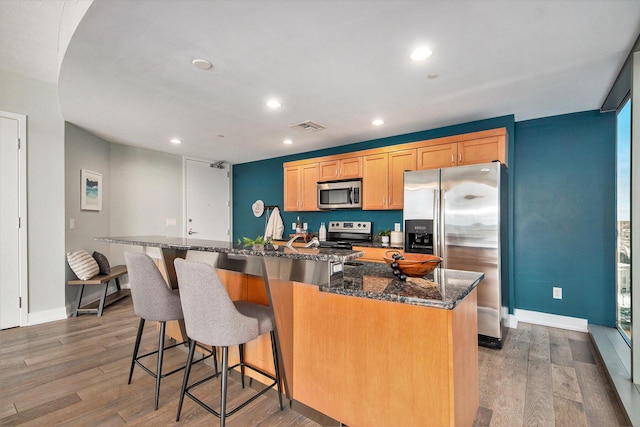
{"points": [[460, 157], [452, 159]]}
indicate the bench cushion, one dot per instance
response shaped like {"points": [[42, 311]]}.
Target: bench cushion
{"points": [[83, 264]]}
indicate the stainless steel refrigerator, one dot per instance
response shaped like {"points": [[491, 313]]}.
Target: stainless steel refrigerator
{"points": [[460, 214]]}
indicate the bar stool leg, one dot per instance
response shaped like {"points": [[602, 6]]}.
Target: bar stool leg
{"points": [[160, 354], [223, 385], [187, 372], [241, 352], [135, 348], [276, 364]]}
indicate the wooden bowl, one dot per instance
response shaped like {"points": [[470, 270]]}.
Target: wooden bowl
{"points": [[414, 265]]}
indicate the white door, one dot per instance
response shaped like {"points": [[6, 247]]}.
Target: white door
{"points": [[207, 200], [10, 236]]}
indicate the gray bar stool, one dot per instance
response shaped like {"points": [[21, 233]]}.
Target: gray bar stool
{"points": [[211, 318], [152, 300]]}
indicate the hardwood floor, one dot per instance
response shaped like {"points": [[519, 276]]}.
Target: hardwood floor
{"points": [[74, 373]]}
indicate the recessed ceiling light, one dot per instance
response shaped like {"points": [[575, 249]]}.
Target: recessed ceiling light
{"points": [[287, 141], [176, 141], [273, 103], [432, 76], [203, 64], [421, 53], [377, 122]]}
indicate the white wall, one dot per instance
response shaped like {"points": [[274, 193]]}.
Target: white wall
{"points": [[85, 151], [142, 188], [46, 199], [146, 189]]}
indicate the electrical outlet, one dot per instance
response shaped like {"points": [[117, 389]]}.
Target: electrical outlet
{"points": [[293, 225], [171, 221], [557, 293]]}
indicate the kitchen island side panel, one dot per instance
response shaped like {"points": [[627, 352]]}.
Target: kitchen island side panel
{"points": [[378, 363]]}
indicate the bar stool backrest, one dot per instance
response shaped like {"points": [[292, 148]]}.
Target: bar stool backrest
{"points": [[152, 298], [210, 316]]}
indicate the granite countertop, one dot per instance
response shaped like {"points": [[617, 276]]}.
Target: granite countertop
{"points": [[183, 243], [440, 289]]}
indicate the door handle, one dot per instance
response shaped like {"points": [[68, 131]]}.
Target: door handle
{"points": [[190, 232]]}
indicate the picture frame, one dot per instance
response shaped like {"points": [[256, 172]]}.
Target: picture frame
{"points": [[90, 190]]}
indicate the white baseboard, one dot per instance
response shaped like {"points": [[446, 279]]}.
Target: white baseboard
{"points": [[46, 316], [553, 320]]}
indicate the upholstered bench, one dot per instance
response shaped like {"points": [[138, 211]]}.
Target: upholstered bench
{"points": [[105, 300]]}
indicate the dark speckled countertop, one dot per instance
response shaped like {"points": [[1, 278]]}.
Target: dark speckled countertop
{"points": [[440, 289], [182, 243]]}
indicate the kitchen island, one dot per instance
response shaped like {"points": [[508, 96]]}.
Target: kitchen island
{"points": [[357, 344]]}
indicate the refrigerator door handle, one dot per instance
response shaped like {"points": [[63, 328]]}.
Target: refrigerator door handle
{"points": [[442, 244], [436, 222]]}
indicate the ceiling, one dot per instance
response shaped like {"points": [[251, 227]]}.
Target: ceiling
{"points": [[127, 74]]}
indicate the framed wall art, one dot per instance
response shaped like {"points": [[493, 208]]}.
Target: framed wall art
{"points": [[90, 190]]}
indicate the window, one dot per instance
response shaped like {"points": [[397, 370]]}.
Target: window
{"points": [[623, 221]]}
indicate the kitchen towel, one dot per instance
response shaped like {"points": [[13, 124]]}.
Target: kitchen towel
{"points": [[275, 226]]}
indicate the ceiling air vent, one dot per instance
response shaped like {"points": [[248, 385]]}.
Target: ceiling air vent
{"points": [[307, 127]]}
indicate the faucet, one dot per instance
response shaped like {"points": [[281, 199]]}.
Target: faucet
{"points": [[290, 242], [313, 243]]}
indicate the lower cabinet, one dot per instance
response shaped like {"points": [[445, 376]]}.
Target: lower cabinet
{"points": [[374, 254]]}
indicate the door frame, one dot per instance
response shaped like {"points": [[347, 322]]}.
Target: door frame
{"points": [[23, 260], [227, 167]]}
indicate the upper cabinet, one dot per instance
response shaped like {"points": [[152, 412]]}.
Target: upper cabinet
{"points": [[467, 149], [437, 156], [301, 187], [382, 169], [341, 168], [482, 150], [382, 179]]}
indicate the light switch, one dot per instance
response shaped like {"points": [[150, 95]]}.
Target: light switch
{"points": [[171, 221], [72, 223]]}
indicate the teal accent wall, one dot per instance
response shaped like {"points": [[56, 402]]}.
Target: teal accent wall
{"points": [[564, 228], [264, 180]]}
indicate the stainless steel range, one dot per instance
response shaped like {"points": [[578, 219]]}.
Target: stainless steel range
{"points": [[344, 234]]}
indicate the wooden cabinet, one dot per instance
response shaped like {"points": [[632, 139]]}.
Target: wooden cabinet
{"points": [[301, 187], [381, 169], [346, 168], [482, 150], [437, 156], [374, 254], [383, 179], [479, 149]]}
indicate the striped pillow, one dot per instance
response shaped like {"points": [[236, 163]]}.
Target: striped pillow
{"points": [[83, 264]]}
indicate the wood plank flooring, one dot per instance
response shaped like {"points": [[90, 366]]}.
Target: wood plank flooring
{"points": [[74, 373]]}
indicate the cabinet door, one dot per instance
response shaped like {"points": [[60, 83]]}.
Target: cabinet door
{"points": [[374, 181], [483, 150], [309, 187], [351, 168], [375, 254], [291, 188], [399, 161], [329, 170], [437, 156]]}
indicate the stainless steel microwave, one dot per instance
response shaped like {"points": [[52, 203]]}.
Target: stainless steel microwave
{"points": [[340, 194]]}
